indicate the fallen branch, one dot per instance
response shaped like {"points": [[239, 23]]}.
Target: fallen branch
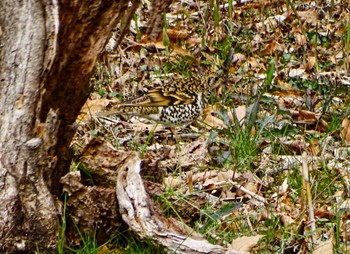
{"points": [[144, 218]]}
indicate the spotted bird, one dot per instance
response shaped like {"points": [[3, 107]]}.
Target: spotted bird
{"points": [[178, 102]]}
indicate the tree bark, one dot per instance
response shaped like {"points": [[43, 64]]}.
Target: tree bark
{"points": [[48, 50]]}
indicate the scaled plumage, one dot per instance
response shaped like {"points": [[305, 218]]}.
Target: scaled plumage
{"points": [[180, 101]]}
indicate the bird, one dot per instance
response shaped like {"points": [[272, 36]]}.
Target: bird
{"points": [[181, 101]]}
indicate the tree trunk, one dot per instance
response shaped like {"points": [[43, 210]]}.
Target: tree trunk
{"points": [[47, 53]]}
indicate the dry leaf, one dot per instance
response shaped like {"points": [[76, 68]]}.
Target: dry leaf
{"points": [[159, 45], [219, 179], [271, 48], [345, 131], [324, 248], [310, 16], [213, 121], [180, 51], [296, 72], [241, 112], [286, 220], [245, 243], [141, 127], [311, 60], [300, 39], [177, 34], [238, 58], [91, 107], [104, 250]]}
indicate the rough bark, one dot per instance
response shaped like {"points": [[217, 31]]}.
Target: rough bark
{"points": [[47, 53], [156, 23]]}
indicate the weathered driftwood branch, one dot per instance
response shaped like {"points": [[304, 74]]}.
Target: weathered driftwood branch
{"points": [[142, 216]]}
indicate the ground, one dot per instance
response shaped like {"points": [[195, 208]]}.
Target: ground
{"points": [[269, 157]]}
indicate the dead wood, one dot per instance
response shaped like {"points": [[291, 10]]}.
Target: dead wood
{"points": [[143, 217]]}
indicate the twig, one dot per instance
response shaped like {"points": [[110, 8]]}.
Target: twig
{"points": [[256, 196], [306, 184], [250, 225]]}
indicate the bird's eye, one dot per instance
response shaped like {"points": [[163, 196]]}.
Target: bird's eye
{"points": [[215, 79]]}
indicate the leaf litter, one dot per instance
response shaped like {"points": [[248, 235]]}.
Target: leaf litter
{"points": [[303, 110]]}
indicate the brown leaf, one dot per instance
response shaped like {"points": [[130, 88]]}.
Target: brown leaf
{"points": [[217, 180], [155, 45], [271, 48], [345, 131], [310, 16], [238, 58], [296, 146], [286, 220], [177, 34], [311, 60], [91, 107], [301, 39], [324, 247], [307, 117], [213, 121], [104, 250], [142, 127], [245, 243], [194, 40], [241, 112], [210, 119], [180, 51]]}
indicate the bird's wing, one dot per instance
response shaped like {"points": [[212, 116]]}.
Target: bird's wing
{"points": [[183, 91], [160, 97]]}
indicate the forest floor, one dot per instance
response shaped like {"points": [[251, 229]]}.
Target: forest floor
{"points": [[267, 164]]}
